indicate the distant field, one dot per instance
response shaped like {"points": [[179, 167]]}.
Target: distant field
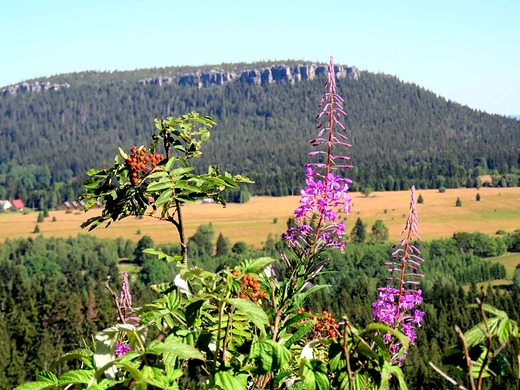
{"points": [[499, 208]]}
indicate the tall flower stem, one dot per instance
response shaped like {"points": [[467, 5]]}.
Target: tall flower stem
{"points": [[396, 306]]}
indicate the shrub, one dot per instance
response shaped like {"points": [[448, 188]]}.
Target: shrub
{"points": [[442, 190]]}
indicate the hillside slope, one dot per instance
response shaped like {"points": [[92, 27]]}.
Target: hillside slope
{"points": [[401, 133]]}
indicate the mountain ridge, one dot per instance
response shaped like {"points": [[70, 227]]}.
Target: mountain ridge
{"points": [[276, 73], [402, 134]]}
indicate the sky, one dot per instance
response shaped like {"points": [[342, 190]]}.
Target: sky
{"points": [[467, 51]]}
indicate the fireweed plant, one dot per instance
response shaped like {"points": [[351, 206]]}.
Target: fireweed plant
{"points": [[396, 304], [246, 327]]}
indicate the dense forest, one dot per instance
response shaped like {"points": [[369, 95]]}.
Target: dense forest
{"points": [[53, 295], [401, 133]]}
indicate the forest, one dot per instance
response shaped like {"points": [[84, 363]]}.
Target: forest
{"points": [[401, 133], [53, 295]]}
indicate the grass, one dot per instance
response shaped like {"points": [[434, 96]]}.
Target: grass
{"points": [[253, 221]]}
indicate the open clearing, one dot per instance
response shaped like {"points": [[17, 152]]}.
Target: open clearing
{"points": [[499, 208]]}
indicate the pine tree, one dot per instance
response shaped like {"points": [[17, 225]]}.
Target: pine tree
{"points": [[358, 233], [477, 198], [458, 203], [420, 199], [40, 217], [36, 229], [223, 246]]}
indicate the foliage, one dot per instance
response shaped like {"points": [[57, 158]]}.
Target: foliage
{"points": [[379, 231], [222, 246], [155, 183], [479, 353], [458, 202], [420, 199], [358, 233]]}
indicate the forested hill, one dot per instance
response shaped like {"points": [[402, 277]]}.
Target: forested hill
{"points": [[401, 133]]}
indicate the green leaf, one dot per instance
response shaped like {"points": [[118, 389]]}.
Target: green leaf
{"points": [[92, 172], [169, 164], [252, 311], [229, 380], [91, 183], [158, 186], [193, 313], [84, 355], [398, 373], [302, 331], [164, 197], [477, 334], [38, 385], [313, 374], [152, 251], [269, 355], [47, 376], [297, 318], [183, 351], [76, 376], [132, 370], [157, 174], [256, 266], [385, 376], [123, 154], [507, 328], [489, 309]]}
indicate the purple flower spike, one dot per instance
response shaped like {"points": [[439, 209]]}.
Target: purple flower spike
{"points": [[396, 305], [325, 191]]}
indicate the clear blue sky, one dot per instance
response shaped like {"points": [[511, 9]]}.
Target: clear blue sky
{"points": [[465, 50]]}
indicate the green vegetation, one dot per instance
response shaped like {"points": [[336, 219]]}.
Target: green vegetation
{"points": [[457, 144]]}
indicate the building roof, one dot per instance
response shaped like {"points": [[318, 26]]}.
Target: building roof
{"points": [[18, 204], [5, 204]]}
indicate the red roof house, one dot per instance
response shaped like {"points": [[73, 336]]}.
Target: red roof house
{"points": [[18, 204]]}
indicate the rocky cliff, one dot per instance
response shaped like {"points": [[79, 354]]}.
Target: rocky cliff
{"points": [[34, 87], [274, 74], [279, 73]]}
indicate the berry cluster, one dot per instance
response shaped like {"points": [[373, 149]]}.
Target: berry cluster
{"points": [[138, 163], [250, 288], [325, 324]]}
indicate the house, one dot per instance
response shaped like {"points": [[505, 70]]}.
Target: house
{"points": [[5, 205], [18, 204]]}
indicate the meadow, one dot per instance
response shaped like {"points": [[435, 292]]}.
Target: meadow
{"points": [[252, 222]]}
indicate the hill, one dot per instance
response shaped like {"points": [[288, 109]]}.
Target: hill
{"points": [[401, 133]]}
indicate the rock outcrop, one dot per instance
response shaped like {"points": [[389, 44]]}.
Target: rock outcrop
{"points": [[278, 74], [275, 74], [34, 87]]}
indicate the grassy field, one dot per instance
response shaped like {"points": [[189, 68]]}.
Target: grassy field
{"points": [[253, 221]]}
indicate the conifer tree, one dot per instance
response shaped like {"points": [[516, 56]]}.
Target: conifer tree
{"points": [[223, 246], [358, 233]]}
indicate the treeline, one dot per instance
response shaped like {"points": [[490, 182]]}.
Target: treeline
{"points": [[53, 296], [401, 134]]}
